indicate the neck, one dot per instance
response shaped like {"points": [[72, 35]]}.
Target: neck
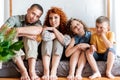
{"points": [[82, 33]]}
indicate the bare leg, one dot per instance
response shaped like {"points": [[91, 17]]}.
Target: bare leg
{"points": [[81, 64], [23, 70], [0, 64], [46, 64], [110, 61], [73, 62], [32, 72], [93, 64], [55, 63]]}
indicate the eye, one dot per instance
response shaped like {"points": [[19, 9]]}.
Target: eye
{"points": [[33, 13], [74, 27], [101, 27], [56, 17], [50, 18], [96, 26], [78, 24], [37, 16]]}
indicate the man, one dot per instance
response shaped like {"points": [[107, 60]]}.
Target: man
{"points": [[28, 26]]}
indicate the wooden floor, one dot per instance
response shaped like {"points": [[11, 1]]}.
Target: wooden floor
{"points": [[103, 78]]}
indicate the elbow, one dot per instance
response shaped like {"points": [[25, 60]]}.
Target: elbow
{"points": [[110, 46], [36, 30], [39, 30]]}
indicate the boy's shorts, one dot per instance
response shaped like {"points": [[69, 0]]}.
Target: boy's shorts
{"points": [[103, 56]]}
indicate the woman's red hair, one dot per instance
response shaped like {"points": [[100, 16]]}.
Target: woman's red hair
{"points": [[63, 18]]}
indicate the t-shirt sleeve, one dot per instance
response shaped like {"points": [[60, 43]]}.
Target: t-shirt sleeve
{"points": [[10, 22], [66, 40], [38, 23]]}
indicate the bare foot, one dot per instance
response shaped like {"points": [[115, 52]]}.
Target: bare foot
{"points": [[53, 77], [109, 75], [95, 75], [70, 77], [45, 77], [34, 76], [78, 77], [24, 76]]}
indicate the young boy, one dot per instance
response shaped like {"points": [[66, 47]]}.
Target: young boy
{"points": [[101, 48]]}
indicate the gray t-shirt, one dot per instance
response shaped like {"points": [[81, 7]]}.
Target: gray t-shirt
{"points": [[19, 21]]}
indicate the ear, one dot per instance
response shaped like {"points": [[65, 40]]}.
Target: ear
{"points": [[108, 27], [28, 10]]}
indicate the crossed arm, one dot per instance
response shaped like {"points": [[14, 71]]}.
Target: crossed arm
{"points": [[31, 32], [63, 39]]}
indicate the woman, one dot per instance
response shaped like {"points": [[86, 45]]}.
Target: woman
{"points": [[53, 41]]}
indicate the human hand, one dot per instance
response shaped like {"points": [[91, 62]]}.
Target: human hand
{"points": [[83, 46], [92, 48], [47, 35], [48, 28]]}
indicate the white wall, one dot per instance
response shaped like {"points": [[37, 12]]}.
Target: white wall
{"points": [[6, 10], [117, 24], [1, 12], [87, 10]]}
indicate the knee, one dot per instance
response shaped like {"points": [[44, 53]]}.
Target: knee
{"points": [[89, 53]]}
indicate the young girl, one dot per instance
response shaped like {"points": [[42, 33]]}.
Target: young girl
{"points": [[102, 47], [53, 41], [77, 47]]}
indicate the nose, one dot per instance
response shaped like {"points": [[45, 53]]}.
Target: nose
{"points": [[34, 17], [53, 19]]}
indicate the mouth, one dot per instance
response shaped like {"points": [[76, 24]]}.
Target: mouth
{"points": [[54, 25], [31, 20], [79, 29]]}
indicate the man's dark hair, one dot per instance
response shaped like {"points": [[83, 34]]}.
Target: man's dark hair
{"points": [[38, 6]]}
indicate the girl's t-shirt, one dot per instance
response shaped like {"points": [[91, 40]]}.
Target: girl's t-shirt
{"points": [[83, 39]]}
